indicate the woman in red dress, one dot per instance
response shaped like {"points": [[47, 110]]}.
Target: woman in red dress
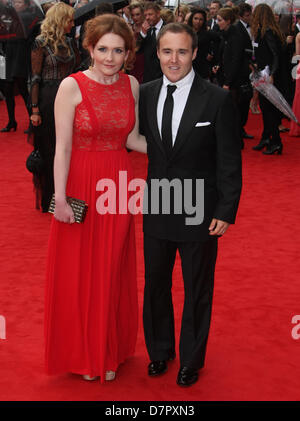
{"points": [[91, 293]]}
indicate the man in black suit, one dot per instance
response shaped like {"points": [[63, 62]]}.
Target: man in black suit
{"points": [[245, 91], [212, 23], [193, 145], [149, 33]]}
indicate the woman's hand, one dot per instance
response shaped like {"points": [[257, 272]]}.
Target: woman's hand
{"points": [[63, 212], [35, 119]]}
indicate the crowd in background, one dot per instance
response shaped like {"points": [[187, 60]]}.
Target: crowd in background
{"points": [[232, 41]]}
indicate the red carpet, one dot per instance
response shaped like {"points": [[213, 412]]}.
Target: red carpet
{"points": [[251, 353]]}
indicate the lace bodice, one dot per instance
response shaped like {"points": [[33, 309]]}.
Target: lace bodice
{"points": [[105, 116], [46, 66]]}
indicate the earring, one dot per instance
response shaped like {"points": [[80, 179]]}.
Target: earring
{"points": [[91, 65]]}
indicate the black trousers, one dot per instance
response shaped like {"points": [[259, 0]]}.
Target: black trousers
{"points": [[271, 119], [198, 265], [8, 88]]}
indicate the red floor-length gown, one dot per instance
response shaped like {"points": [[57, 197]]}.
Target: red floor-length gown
{"points": [[294, 127], [91, 292]]}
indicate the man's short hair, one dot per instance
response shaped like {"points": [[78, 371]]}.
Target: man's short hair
{"points": [[178, 28], [152, 5], [104, 8], [244, 8], [217, 2]]}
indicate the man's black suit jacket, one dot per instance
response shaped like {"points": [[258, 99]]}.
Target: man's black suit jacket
{"points": [[209, 150], [215, 28], [246, 45], [152, 68]]}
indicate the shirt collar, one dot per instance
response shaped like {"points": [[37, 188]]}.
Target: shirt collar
{"points": [[159, 25], [187, 80], [245, 24]]}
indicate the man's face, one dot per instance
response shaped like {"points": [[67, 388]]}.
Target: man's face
{"points": [[152, 16], [246, 17], [176, 55], [213, 8], [137, 16]]}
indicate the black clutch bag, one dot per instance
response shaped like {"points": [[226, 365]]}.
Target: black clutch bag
{"points": [[78, 206], [34, 162]]}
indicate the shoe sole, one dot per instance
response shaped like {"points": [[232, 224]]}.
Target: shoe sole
{"points": [[187, 385], [158, 374]]}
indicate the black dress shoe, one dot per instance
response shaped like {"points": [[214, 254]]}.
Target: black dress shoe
{"points": [[155, 368], [271, 150], [261, 145], [12, 125], [187, 376]]}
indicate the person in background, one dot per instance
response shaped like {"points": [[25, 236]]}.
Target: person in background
{"points": [[187, 16], [212, 23], [269, 45], [295, 128], [125, 14], [167, 15], [104, 8], [201, 63], [17, 55], [150, 29], [181, 12], [297, 24], [232, 60], [245, 91], [286, 26], [137, 16], [54, 56]]}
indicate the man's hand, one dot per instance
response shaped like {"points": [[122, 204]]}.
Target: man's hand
{"points": [[145, 27], [218, 227]]}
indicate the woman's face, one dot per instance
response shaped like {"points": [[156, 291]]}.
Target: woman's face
{"points": [[19, 5], [109, 54], [223, 24], [197, 21], [69, 25]]}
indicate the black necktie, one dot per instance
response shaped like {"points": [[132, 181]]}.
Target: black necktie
{"points": [[153, 31], [166, 126]]}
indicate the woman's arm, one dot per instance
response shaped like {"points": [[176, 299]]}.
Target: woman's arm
{"points": [[135, 140], [273, 47], [68, 96], [37, 59], [297, 41]]}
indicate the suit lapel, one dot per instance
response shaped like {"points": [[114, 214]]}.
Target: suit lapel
{"points": [[195, 105], [152, 113]]}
